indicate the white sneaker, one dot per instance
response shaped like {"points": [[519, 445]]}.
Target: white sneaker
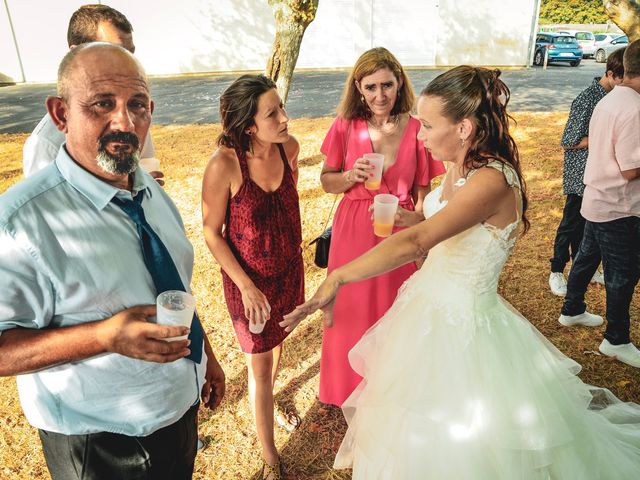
{"points": [[598, 277], [625, 353], [587, 319], [558, 284]]}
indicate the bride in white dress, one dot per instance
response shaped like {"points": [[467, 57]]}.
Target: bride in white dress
{"points": [[457, 384]]}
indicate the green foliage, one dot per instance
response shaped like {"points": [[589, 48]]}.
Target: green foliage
{"points": [[572, 11]]}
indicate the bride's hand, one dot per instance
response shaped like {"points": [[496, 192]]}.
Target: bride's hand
{"points": [[324, 299], [404, 217], [407, 218]]}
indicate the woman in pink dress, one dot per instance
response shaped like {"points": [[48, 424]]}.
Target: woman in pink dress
{"points": [[373, 117]]}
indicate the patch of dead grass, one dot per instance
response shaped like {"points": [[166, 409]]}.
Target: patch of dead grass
{"points": [[232, 451]]}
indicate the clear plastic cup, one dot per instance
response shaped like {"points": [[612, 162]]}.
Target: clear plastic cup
{"points": [[149, 164], [377, 160], [384, 214], [257, 327], [175, 307]]}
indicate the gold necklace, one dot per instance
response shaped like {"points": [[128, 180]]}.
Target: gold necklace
{"points": [[395, 121]]}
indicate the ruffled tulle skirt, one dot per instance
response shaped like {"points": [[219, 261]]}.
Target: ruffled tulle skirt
{"points": [[467, 389]]}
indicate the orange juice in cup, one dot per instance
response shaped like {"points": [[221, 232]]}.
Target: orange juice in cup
{"points": [[372, 184], [382, 229], [377, 161], [384, 213]]}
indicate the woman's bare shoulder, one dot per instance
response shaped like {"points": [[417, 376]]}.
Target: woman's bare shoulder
{"points": [[291, 146], [222, 165]]}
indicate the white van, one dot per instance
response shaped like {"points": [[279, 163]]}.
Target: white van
{"points": [[585, 39]]}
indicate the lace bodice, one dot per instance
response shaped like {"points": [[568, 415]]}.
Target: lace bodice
{"points": [[474, 258]]}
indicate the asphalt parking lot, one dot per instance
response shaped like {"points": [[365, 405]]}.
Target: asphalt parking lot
{"points": [[194, 98]]}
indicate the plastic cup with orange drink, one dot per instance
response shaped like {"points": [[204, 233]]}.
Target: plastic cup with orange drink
{"points": [[377, 161], [384, 214]]}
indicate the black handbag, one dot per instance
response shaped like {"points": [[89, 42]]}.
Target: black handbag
{"points": [[323, 241]]}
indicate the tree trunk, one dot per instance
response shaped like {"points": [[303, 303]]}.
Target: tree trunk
{"points": [[625, 14], [292, 19]]}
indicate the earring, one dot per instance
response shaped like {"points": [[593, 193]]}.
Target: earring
{"points": [[462, 142], [362, 99]]}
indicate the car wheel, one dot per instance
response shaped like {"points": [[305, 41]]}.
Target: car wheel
{"points": [[574, 63], [537, 58], [601, 57]]}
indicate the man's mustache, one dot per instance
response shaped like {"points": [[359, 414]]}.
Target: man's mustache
{"points": [[120, 137]]}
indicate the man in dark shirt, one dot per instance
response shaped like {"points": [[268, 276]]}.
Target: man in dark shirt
{"points": [[575, 141]]}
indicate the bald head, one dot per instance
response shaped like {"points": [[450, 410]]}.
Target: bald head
{"points": [[86, 56], [103, 108]]}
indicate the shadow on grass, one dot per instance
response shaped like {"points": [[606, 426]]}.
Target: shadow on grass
{"points": [[318, 437], [311, 161], [293, 352], [8, 174]]}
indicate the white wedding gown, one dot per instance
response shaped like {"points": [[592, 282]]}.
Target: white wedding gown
{"points": [[459, 386]]}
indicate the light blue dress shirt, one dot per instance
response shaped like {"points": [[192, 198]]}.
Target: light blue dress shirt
{"points": [[69, 256]]}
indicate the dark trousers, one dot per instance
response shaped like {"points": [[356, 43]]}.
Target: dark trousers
{"points": [[166, 454], [619, 243], [569, 233]]}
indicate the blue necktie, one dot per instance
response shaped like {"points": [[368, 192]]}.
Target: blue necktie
{"points": [[160, 265]]}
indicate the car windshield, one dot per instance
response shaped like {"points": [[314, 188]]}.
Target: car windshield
{"points": [[564, 39], [584, 36]]}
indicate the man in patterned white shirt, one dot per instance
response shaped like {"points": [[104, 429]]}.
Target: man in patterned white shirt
{"points": [[575, 141]]}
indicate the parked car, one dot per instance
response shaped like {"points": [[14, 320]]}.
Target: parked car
{"points": [[603, 51], [559, 48], [604, 38], [586, 40]]}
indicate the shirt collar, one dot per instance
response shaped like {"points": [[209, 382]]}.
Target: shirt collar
{"points": [[596, 84], [95, 190]]}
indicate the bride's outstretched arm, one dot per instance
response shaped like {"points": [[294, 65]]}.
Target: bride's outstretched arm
{"points": [[481, 198]]}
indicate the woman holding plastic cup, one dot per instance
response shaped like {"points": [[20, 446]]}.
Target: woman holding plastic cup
{"points": [[371, 144], [251, 221]]}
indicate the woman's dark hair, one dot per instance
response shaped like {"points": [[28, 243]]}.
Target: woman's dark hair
{"points": [[615, 63], [238, 106], [478, 93]]}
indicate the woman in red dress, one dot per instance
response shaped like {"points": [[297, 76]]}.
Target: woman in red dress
{"points": [[251, 220]]}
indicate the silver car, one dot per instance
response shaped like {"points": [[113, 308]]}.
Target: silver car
{"points": [[604, 38], [603, 51]]}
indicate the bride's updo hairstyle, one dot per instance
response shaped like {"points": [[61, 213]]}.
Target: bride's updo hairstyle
{"points": [[479, 94]]}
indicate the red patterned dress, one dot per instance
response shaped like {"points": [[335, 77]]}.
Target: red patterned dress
{"points": [[264, 233]]}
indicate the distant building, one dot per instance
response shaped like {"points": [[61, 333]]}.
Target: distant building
{"points": [[187, 36]]}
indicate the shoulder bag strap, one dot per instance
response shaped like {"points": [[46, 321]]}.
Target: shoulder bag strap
{"points": [[344, 159]]}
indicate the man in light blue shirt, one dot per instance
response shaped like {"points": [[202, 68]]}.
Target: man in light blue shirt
{"points": [[94, 374]]}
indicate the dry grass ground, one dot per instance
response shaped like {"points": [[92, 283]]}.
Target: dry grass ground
{"points": [[231, 447]]}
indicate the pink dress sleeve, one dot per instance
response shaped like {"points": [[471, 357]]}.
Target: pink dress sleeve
{"points": [[334, 143], [427, 168]]}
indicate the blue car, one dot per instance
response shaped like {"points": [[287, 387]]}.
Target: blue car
{"points": [[559, 47]]}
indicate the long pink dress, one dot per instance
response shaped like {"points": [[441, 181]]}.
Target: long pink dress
{"points": [[359, 305]]}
